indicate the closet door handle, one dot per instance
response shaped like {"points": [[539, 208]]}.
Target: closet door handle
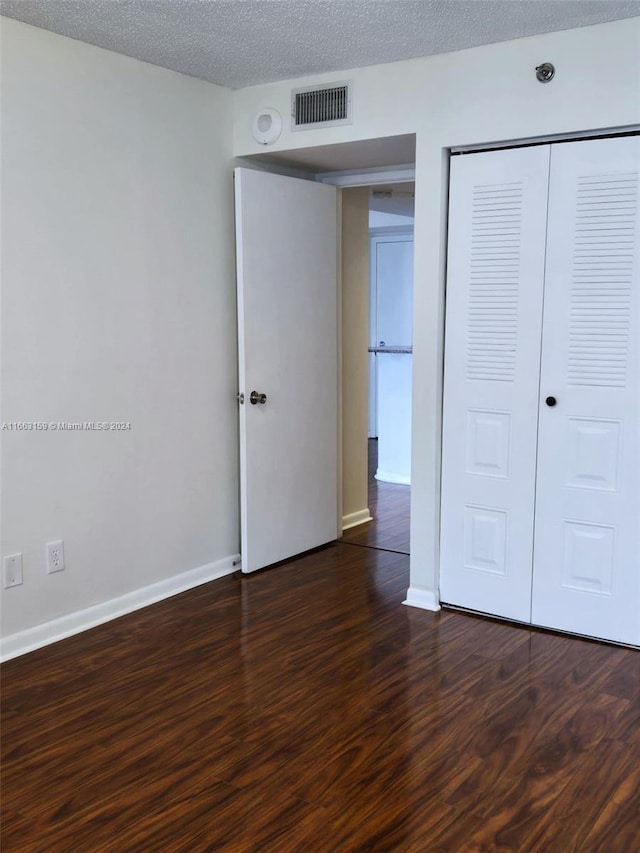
{"points": [[551, 401]]}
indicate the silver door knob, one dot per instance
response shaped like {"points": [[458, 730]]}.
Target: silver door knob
{"points": [[254, 398]]}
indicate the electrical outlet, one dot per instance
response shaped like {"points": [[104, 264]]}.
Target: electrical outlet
{"points": [[55, 556], [12, 571]]}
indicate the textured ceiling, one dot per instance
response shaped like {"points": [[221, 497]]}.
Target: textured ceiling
{"points": [[240, 43]]}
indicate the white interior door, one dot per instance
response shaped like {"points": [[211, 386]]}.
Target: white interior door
{"points": [[587, 542], [392, 271], [495, 274], [286, 248], [373, 343], [392, 265]]}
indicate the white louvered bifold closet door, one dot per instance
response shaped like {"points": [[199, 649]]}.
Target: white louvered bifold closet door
{"points": [[497, 225], [587, 523]]}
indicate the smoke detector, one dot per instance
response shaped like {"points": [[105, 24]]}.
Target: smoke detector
{"points": [[267, 126]]}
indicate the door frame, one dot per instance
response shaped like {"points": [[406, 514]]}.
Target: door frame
{"points": [[346, 179]]}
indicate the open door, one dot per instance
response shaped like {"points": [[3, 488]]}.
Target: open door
{"points": [[286, 251]]}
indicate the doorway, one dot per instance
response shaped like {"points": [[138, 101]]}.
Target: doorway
{"points": [[382, 173], [391, 212]]}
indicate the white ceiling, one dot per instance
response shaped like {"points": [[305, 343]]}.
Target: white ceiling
{"points": [[240, 43]]}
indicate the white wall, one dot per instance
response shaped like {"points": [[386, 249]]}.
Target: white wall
{"points": [[118, 302], [485, 94]]}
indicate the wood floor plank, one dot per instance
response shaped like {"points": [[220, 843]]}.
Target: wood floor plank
{"points": [[517, 800], [566, 824], [627, 726], [617, 828], [403, 824], [243, 822], [624, 678]]}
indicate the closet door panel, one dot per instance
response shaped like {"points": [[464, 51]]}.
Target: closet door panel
{"points": [[587, 545], [497, 223]]}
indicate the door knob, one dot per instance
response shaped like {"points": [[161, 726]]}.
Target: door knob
{"points": [[551, 401], [254, 398]]}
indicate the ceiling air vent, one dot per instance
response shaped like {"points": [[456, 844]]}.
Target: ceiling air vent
{"points": [[321, 107]]}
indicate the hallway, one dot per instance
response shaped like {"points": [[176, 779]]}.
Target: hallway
{"points": [[389, 505]]}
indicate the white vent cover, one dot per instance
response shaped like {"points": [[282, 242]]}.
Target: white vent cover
{"points": [[321, 106]]}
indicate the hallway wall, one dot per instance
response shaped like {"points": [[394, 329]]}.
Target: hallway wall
{"points": [[355, 365]]}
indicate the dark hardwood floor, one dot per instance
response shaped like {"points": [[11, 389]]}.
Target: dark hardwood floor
{"points": [[305, 709], [389, 505]]}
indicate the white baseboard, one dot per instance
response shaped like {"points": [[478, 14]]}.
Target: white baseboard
{"points": [[391, 477], [353, 519], [423, 598], [73, 623]]}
